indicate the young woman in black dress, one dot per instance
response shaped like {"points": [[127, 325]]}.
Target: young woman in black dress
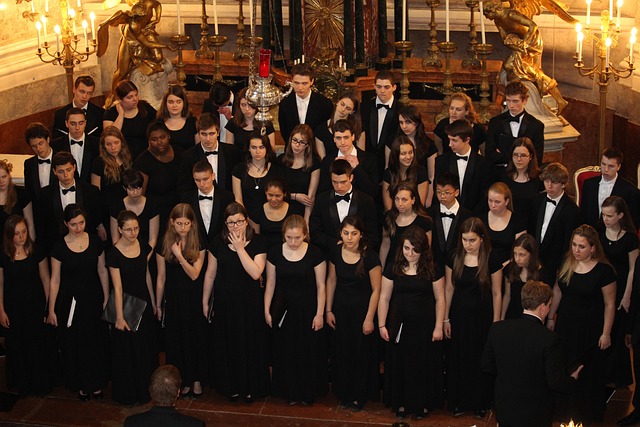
{"points": [[411, 317], [353, 291], [524, 266], [243, 124], [179, 260], [14, 200], [460, 107], [403, 166], [134, 353], [296, 273], [240, 337], [273, 213], [24, 289], [174, 112], [79, 291]]}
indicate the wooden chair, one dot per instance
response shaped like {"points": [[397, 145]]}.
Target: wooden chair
{"points": [[580, 176]]}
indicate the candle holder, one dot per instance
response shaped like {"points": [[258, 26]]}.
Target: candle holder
{"points": [[448, 48], [241, 41], [432, 59], [472, 57], [178, 41], [484, 50], [217, 42], [404, 47], [205, 51]]}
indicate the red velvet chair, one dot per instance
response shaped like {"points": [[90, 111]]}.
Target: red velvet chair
{"points": [[580, 176]]}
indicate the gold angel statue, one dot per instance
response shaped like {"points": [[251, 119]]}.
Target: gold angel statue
{"points": [[520, 34]]}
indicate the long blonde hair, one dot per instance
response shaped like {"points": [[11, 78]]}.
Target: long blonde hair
{"points": [[191, 249], [569, 265], [111, 167], [476, 226], [12, 196]]}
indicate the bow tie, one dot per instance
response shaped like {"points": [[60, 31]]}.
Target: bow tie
{"points": [[201, 197], [346, 197], [465, 158], [211, 153], [73, 141], [382, 106], [66, 190], [516, 118], [552, 201], [448, 215], [41, 161]]}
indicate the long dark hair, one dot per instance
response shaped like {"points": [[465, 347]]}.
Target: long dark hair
{"points": [[124, 88], [533, 170], [476, 226], [177, 91], [234, 209], [529, 244], [310, 151], [422, 140], [8, 247], [358, 223], [271, 155], [621, 207], [393, 213], [354, 118], [394, 162], [418, 239]]}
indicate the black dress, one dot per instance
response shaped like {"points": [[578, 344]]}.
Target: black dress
{"points": [[134, 355], [241, 136], [354, 360], [184, 138], [185, 326], [26, 364], [502, 241], [149, 211], [514, 310], [134, 129], [240, 334], [298, 181], [479, 135], [110, 192], [523, 194], [22, 200], [579, 324], [271, 231], [619, 361], [414, 363], [396, 240], [253, 196], [471, 314], [299, 368], [322, 133], [83, 344]]}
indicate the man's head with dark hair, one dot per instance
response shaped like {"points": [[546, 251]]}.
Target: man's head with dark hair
{"points": [[516, 96], [385, 85], [534, 294], [341, 167], [202, 166], [342, 126], [165, 385], [610, 163], [220, 94], [76, 122], [448, 178], [37, 137], [341, 176], [613, 153], [64, 167], [385, 75], [343, 137], [62, 158], [303, 69], [83, 89], [84, 79], [302, 78], [447, 189], [460, 133], [207, 121], [516, 88], [74, 110]]}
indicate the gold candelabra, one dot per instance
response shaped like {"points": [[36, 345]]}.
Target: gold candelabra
{"points": [[241, 42], [404, 46], [448, 48], [178, 41], [603, 71], [217, 42], [471, 61], [205, 51], [432, 59], [484, 50]]}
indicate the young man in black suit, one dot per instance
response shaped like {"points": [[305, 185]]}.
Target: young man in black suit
{"points": [[38, 172], [83, 89], [303, 105], [513, 123], [363, 164], [474, 173], [553, 218], [220, 103], [83, 147], [332, 206], [222, 157], [208, 201], [528, 363], [380, 117], [609, 183]]}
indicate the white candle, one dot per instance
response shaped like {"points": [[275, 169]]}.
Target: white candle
{"points": [[215, 17], [72, 16], [44, 28], [447, 19], [84, 29], [580, 38], [578, 31], [178, 15], [484, 37], [340, 61], [251, 15], [632, 41], [33, 6], [39, 28], [608, 43], [56, 30], [618, 13], [79, 4], [92, 17], [588, 13], [404, 20], [303, 58], [46, 6]]}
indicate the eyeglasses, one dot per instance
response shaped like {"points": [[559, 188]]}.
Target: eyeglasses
{"points": [[444, 193], [298, 141], [520, 156], [131, 230], [238, 223]]}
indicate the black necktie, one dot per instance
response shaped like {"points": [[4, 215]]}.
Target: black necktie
{"points": [[448, 215], [552, 201], [516, 118], [73, 141], [201, 197], [41, 161], [66, 190], [465, 158], [346, 197], [210, 153], [382, 106]]}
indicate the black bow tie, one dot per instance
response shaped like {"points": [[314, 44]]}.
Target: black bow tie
{"points": [[66, 190], [41, 161], [465, 158], [382, 106], [448, 215], [201, 197], [73, 141], [552, 201], [516, 118], [346, 197], [211, 153]]}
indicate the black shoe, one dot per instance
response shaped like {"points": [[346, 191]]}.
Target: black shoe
{"points": [[248, 399], [632, 419], [234, 397], [457, 412], [291, 402], [355, 406], [98, 395], [83, 397], [480, 413], [306, 403]]}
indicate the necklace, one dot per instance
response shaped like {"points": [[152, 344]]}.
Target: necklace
{"points": [[256, 181], [259, 169]]}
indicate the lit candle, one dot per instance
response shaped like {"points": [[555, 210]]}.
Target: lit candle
{"points": [[265, 63], [251, 15], [72, 16], [39, 28], [84, 29], [404, 20], [484, 38], [588, 13], [580, 38], [618, 13], [44, 28], [46, 6], [340, 61], [92, 17], [79, 4], [608, 43], [33, 6], [178, 14], [215, 17], [303, 58], [56, 30], [446, 16], [578, 32], [632, 41]]}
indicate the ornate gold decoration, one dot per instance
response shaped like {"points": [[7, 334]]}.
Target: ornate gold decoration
{"points": [[324, 23]]}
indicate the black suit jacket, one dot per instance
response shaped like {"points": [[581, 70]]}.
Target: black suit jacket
{"points": [[365, 175], [324, 223], [32, 178], [622, 188], [444, 250], [319, 111], [221, 199], [477, 178], [94, 120], [91, 151], [162, 416], [51, 212], [228, 157], [369, 115], [527, 360], [499, 137]]}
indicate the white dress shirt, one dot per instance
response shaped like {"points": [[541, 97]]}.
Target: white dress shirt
{"points": [[353, 152], [77, 152], [515, 126], [206, 209], [604, 190], [68, 198], [213, 158], [44, 170], [382, 114], [303, 106], [446, 222], [224, 121], [548, 213], [343, 206]]}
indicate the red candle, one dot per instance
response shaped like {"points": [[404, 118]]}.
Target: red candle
{"points": [[265, 62]]}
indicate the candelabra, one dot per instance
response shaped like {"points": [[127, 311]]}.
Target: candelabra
{"points": [[178, 41], [484, 50], [69, 54], [404, 47], [241, 42], [448, 48], [432, 59], [205, 51], [472, 56], [217, 42], [603, 71]]}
